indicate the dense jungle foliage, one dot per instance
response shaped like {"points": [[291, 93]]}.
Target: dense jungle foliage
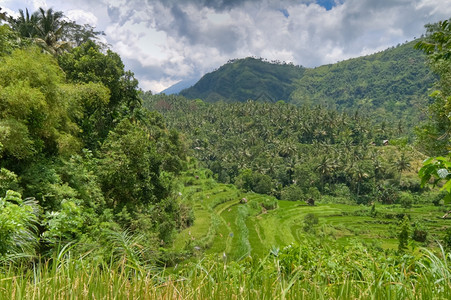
{"points": [[294, 152], [81, 160], [107, 191]]}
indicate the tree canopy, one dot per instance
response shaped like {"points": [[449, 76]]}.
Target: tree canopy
{"points": [[76, 143]]}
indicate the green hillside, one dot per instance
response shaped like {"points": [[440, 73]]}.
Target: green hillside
{"points": [[285, 150], [244, 79], [389, 85]]}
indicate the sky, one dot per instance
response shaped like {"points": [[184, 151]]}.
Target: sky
{"points": [[166, 41]]}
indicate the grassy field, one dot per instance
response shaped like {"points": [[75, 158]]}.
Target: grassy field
{"points": [[223, 225], [323, 272]]}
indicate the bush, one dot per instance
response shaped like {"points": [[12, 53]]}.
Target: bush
{"points": [[437, 199], [419, 233], [254, 181], [412, 184], [406, 200], [8, 181], [18, 224], [292, 193], [341, 190], [310, 220], [269, 204], [312, 195], [65, 224]]}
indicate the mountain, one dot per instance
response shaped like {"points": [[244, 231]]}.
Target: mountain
{"points": [[179, 86], [395, 79], [391, 85], [248, 78]]}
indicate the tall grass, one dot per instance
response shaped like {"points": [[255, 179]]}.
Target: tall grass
{"points": [[300, 273]]}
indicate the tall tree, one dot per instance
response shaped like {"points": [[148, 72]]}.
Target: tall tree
{"points": [[88, 64], [437, 44], [435, 135], [51, 30], [25, 24]]}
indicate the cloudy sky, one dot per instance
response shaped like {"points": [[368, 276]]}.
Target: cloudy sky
{"points": [[165, 41]]}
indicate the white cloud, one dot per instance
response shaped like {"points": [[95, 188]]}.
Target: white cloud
{"points": [[164, 41], [82, 17], [38, 3]]}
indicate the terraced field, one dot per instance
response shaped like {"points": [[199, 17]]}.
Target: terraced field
{"points": [[225, 226]]}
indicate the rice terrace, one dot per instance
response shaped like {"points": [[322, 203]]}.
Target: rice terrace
{"points": [[254, 150]]}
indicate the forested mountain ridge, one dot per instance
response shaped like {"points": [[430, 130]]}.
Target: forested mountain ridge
{"points": [[245, 79], [389, 75], [391, 84]]}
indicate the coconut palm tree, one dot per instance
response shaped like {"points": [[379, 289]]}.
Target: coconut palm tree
{"points": [[50, 30], [402, 163], [25, 24], [3, 16]]}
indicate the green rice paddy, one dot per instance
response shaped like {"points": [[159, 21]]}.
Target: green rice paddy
{"points": [[225, 226]]}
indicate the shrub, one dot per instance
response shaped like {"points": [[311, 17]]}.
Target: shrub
{"points": [[18, 224], [8, 181], [310, 220], [254, 181], [65, 224], [269, 203], [437, 199], [406, 200], [419, 232], [292, 193], [341, 190], [312, 196]]}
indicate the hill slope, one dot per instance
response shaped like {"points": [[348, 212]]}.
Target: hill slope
{"points": [[244, 79], [392, 84], [225, 225], [179, 86]]}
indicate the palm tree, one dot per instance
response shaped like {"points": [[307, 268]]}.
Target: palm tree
{"points": [[402, 164], [25, 24], [46, 28], [50, 30], [3, 16], [326, 168]]}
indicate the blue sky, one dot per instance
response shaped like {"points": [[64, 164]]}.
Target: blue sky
{"points": [[165, 41], [327, 4]]}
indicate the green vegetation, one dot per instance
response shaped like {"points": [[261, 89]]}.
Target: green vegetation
{"points": [[110, 192], [435, 134], [239, 223], [80, 159], [391, 86], [312, 270], [247, 79], [295, 153]]}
